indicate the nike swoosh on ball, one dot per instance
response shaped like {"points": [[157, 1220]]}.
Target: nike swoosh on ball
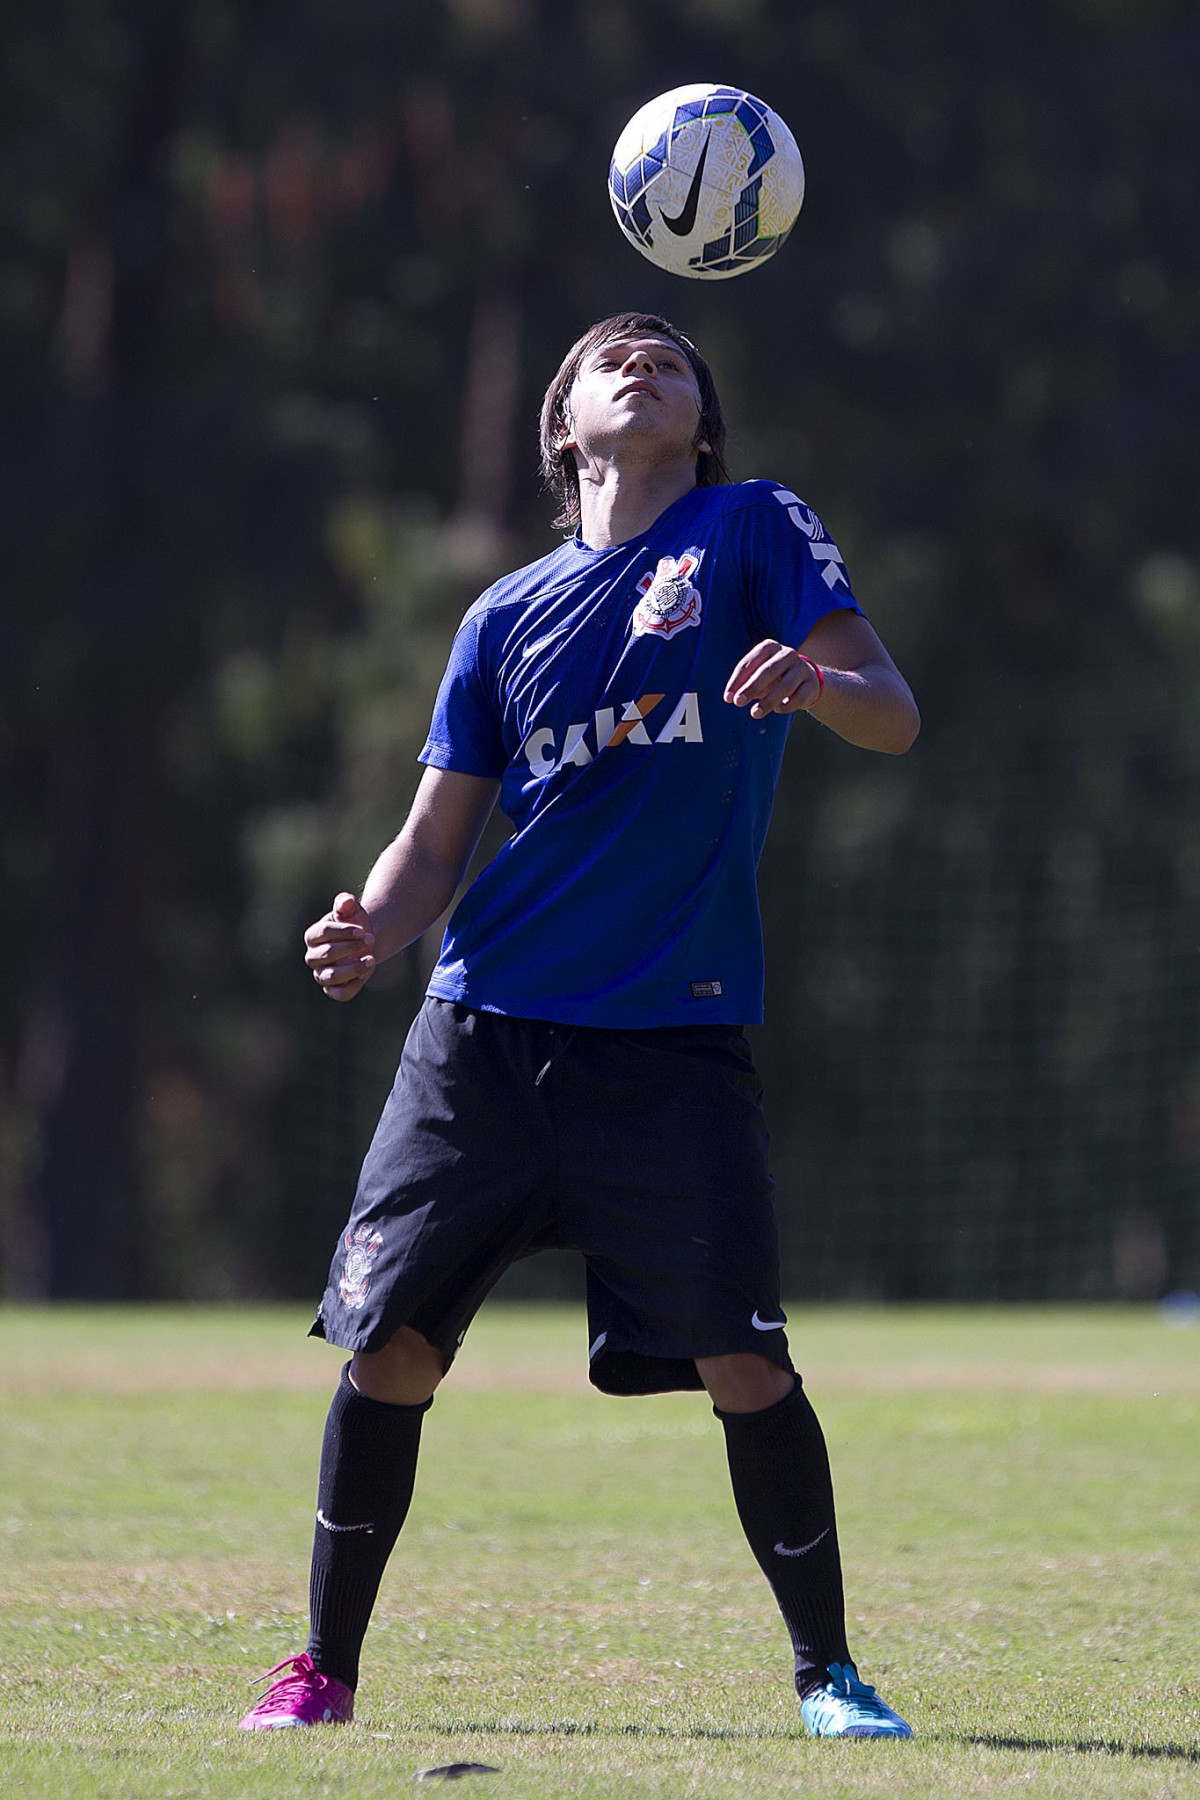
{"points": [[684, 221]]}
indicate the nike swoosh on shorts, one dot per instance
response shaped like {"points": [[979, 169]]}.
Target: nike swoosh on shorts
{"points": [[767, 1324]]}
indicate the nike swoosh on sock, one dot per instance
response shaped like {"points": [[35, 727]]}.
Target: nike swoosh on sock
{"points": [[330, 1526], [781, 1549]]}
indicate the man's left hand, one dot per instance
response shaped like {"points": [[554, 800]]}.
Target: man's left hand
{"points": [[773, 679]]}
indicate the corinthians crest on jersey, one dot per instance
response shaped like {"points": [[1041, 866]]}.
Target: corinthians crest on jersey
{"points": [[669, 601]]}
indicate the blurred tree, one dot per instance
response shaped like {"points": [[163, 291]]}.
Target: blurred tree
{"points": [[96, 562]]}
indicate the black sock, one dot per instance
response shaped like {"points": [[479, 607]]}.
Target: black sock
{"points": [[784, 1496], [368, 1467]]}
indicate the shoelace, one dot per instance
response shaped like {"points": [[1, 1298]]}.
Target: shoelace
{"points": [[302, 1675], [844, 1681]]}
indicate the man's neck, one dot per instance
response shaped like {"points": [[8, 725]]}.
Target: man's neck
{"points": [[616, 505]]}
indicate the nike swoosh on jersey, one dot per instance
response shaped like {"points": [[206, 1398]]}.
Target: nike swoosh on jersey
{"points": [[532, 649], [781, 1549], [767, 1324], [684, 221]]}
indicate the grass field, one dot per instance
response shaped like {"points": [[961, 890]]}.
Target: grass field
{"points": [[572, 1599]]}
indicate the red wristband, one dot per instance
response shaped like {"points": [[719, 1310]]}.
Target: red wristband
{"points": [[816, 669]]}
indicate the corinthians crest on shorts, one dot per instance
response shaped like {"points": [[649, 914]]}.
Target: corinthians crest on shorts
{"points": [[361, 1246], [669, 602]]}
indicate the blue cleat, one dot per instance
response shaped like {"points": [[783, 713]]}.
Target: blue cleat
{"points": [[847, 1707]]}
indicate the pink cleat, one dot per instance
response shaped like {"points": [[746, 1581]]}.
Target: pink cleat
{"points": [[301, 1697]]}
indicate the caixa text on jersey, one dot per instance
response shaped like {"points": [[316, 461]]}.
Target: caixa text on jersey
{"points": [[604, 731]]}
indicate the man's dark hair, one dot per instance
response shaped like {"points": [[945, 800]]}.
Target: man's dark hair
{"points": [[558, 465]]}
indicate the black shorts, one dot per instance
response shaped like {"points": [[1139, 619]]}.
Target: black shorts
{"points": [[645, 1150]]}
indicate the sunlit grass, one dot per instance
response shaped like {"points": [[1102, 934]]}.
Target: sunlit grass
{"points": [[572, 1599]]}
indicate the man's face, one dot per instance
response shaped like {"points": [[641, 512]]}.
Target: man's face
{"points": [[637, 393]]}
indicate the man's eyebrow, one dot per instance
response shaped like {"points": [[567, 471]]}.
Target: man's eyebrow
{"points": [[658, 346]]}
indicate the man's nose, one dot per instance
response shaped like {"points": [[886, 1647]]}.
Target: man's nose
{"points": [[638, 359]]}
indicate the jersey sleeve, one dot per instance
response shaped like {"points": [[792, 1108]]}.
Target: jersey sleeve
{"points": [[792, 569], [465, 732]]}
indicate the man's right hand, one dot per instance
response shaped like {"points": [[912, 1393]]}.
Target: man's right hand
{"points": [[338, 949]]}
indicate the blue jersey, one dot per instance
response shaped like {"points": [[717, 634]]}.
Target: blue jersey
{"points": [[590, 684]]}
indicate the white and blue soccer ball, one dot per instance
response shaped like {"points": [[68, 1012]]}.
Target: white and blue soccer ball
{"points": [[706, 181]]}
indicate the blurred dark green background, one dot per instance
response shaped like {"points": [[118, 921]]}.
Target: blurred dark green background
{"points": [[280, 288]]}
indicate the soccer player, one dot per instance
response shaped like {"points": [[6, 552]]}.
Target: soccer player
{"points": [[578, 1074]]}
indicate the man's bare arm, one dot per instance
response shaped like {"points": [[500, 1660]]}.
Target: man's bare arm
{"points": [[858, 692], [411, 884]]}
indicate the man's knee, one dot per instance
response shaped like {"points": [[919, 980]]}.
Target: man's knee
{"points": [[404, 1373], [744, 1382]]}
